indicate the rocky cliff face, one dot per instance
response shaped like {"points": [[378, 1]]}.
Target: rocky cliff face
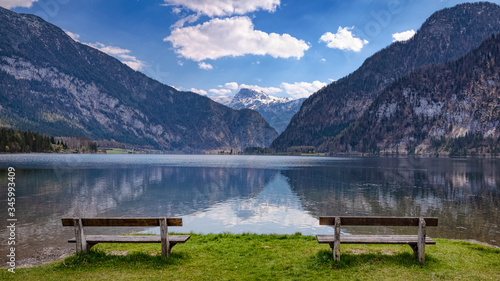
{"points": [[447, 34], [429, 109], [54, 85], [277, 111]]}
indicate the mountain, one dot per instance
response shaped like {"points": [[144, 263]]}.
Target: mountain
{"points": [[429, 109], [277, 111], [447, 34], [54, 85]]}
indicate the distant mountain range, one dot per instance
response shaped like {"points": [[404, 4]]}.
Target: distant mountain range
{"points": [[448, 34], [53, 85], [437, 92], [277, 111]]}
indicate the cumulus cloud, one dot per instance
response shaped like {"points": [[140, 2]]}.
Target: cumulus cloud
{"points": [[231, 85], [343, 40], [299, 90], [267, 90], [231, 88], [189, 19], [199, 91], [296, 90], [9, 4], [403, 36], [73, 36], [119, 53], [234, 36], [204, 65], [223, 7], [220, 92]]}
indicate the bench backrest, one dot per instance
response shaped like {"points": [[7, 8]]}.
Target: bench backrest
{"points": [[121, 221], [380, 221]]}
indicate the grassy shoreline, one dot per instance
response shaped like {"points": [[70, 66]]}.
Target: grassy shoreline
{"points": [[270, 257]]}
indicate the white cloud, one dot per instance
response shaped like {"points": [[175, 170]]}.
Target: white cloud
{"points": [[73, 36], [403, 36], [135, 65], [296, 90], [119, 53], [231, 85], [199, 91], [343, 40], [206, 66], [9, 4], [267, 90], [219, 8], [234, 36], [231, 88], [189, 19], [220, 92], [299, 90]]}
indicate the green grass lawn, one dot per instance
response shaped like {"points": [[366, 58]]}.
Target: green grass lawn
{"points": [[270, 257], [118, 151]]}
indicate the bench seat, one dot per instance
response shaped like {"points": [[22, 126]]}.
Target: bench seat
{"points": [[85, 242], [416, 242], [94, 239], [373, 239]]}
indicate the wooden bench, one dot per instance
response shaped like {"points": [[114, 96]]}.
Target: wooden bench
{"points": [[416, 242], [85, 242]]}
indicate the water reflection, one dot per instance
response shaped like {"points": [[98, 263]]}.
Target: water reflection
{"points": [[44, 196], [463, 194], [276, 209], [250, 194]]}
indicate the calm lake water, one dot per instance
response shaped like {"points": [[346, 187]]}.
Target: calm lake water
{"points": [[257, 194]]}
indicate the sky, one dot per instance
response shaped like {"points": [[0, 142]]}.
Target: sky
{"points": [[286, 48]]}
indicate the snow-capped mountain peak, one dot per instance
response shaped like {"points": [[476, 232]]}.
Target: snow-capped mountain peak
{"points": [[248, 98], [277, 111]]}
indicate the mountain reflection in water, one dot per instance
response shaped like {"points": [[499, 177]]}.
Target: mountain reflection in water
{"points": [[215, 194]]}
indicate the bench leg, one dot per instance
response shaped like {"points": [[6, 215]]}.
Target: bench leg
{"points": [[414, 246], [81, 242], [90, 245], [419, 247], [165, 244], [421, 241], [336, 242]]}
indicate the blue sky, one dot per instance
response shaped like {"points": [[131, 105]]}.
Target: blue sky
{"points": [[288, 48]]}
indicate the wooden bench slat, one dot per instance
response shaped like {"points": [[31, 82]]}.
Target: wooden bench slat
{"points": [[378, 221], [94, 239], [144, 222], [373, 239]]}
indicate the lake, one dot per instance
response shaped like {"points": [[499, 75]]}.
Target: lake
{"points": [[258, 194]]}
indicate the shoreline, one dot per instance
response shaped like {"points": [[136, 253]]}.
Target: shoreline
{"points": [[336, 155]]}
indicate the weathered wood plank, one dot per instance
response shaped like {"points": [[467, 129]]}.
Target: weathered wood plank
{"points": [[336, 243], [145, 222], [373, 239], [81, 243], [421, 241], [380, 221], [94, 239], [165, 244]]}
